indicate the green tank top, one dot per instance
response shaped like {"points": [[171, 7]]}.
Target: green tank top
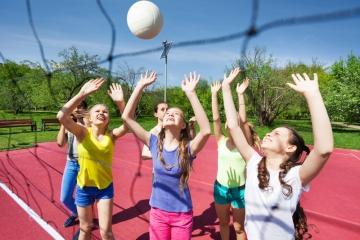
{"points": [[231, 166]]}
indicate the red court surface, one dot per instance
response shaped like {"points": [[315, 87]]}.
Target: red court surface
{"points": [[34, 175]]}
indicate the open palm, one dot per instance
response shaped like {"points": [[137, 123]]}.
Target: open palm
{"points": [[240, 88], [148, 78], [189, 83], [233, 74], [303, 84], [92, 86], [215, 86], [116, 92]]}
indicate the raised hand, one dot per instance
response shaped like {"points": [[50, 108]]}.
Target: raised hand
{"points": [[148, 78], [189, 83], [215, 87], [233, 74], [303, 84], [116, 92], [92, 86], [240, 88]]}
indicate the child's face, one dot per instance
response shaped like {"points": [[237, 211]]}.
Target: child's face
{"points": [[161, 109], [174, 117], [277, 140], [99, 115]]}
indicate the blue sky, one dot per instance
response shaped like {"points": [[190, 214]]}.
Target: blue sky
{"points": [[79, 23]]}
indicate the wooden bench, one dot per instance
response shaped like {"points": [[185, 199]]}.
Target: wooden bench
{"points": [[48, 121], [18, 123]]}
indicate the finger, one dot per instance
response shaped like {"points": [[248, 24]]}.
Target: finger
{"points": [[306, 77], [294, 77], [299, 77], [293, 86], [315, 77]]}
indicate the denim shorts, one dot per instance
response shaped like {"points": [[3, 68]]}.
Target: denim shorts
{"points": [[88, 195], [234, 196]]}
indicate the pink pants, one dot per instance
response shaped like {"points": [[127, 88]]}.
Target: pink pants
{"points": [[170, 225]]}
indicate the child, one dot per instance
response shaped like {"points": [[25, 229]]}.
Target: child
{"points": [[95, 152], [159, 112], [72, 167], [171, 215], [275, 182], [229, 186]]}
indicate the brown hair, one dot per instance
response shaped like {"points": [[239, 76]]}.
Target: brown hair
{"points": [[299, 217], [157, 105], [255, 137], [183, 153]]}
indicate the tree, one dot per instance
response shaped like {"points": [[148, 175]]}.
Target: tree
{"points": [[267, 96], [343, 98]]}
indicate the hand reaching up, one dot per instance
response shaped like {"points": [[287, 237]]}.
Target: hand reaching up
{"points": [[240, 88], [116, 92], [147, 78], [215, 87], [189, 83], [91, 86], [229, 79], [303, 84]]}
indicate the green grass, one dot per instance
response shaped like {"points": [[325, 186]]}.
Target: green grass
{"points": [[21, 137]]}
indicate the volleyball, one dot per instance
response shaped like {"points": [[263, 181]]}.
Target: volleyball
{"points": [[144, 19]]}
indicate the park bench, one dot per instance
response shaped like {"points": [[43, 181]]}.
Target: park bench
{"points": [[48, 121], [18, 123]]}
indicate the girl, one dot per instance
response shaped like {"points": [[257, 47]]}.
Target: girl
{"points": [[72, 167], [229, 186], [172, 155], [95, 152], [276, 181]]}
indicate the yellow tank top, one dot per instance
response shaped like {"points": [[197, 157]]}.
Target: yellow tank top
{"points": [[231, 166], [95, 160]]}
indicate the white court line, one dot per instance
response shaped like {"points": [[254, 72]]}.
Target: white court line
{"points": [[49, 229]]}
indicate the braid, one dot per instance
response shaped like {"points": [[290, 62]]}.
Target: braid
{"points": [[263, 175], [160, 146], [184, 157], [300, 223]]}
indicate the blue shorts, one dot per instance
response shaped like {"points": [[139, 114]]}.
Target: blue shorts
{"points": [[234, 196], [88, 195]]}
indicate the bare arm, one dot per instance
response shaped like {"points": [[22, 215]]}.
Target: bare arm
{"points": [[240, 89], [192, 131], [116, 94], [323, 136], [188, 85], [215, 87], [64, 115], [231, 116], [61, 137], [128, 115]]}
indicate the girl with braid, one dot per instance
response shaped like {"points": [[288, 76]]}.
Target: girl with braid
{"points": [[229, 187], [276, 180], [171, 215]]}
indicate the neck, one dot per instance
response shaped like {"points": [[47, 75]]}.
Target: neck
{"points": [[274, 160], [172, 137], [98, 130]]}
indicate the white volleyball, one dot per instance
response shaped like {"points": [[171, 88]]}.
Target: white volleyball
{"points": [[144, 19]]}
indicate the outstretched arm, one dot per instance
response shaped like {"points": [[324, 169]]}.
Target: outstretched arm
{"points": [[116, 94], [192, 131], [128, 115], [61, 137], [323, 136], [188, 85], [240, 89], [231, 116], [64, 115], [215, 87]]}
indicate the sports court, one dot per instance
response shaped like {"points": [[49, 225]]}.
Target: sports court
{"points": [[34, 176]]}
